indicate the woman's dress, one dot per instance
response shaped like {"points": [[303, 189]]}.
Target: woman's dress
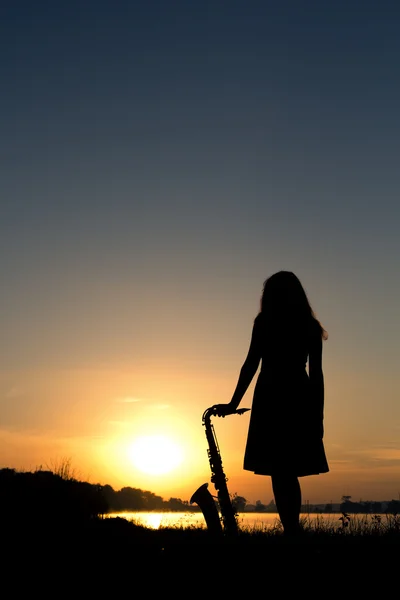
{"points": [[286, 422]]}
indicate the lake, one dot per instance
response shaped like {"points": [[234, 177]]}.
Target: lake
{"points": [[248, 520]]}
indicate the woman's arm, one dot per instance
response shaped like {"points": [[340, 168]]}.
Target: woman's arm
{"points": [[246, 375], [316, 375]]}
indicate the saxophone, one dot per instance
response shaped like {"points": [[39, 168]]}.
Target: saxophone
{"points": [[203, 497]]}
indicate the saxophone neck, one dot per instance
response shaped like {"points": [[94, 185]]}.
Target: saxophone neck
{"points": [[208, 413]]}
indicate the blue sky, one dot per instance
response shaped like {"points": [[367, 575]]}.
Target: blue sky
{"points": [[159, 161]]}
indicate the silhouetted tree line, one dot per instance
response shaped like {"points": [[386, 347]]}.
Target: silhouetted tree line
{"points": [[48, 495], [369, 507], [132, 499]]}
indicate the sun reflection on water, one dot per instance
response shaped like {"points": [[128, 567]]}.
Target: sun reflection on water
{"points": [[155, 520]]}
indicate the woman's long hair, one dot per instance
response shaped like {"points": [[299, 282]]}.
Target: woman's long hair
{"points": [[284, 300]]}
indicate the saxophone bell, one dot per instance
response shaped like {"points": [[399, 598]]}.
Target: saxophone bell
{"points": [[205, 500]]}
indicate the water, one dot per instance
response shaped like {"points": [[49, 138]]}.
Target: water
{"points": [[250, 521]]}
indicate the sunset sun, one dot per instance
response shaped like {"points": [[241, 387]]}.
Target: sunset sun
{"points": [[155, 454]]}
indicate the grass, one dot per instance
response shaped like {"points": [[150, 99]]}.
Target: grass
{"points": [[372, 537], [52, 537], [351, 525], [354, 525], [353, 553]]}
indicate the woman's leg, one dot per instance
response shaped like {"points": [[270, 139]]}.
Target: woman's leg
{"points": [[287, 494]]}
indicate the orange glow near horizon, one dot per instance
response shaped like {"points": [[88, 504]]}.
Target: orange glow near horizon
{"points": [[99, 414]]}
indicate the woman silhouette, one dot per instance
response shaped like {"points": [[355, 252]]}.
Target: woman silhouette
{"points": [[285, 436]]}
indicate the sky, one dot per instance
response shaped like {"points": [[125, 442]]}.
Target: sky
{"points": [[159, 160]]}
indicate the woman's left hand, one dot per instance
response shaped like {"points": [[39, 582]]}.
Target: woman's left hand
{"points": [[221, 410]]}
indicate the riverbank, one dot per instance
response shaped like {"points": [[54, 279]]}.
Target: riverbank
{"points": [[115, 552]]}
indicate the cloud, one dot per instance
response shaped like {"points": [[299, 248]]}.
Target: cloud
{"points": [[384, 456], [389, 456], [129, 400], [135, 400], [13, 392], [379, 456]]}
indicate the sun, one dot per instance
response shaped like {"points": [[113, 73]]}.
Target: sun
{"points": [[155, 454]]}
